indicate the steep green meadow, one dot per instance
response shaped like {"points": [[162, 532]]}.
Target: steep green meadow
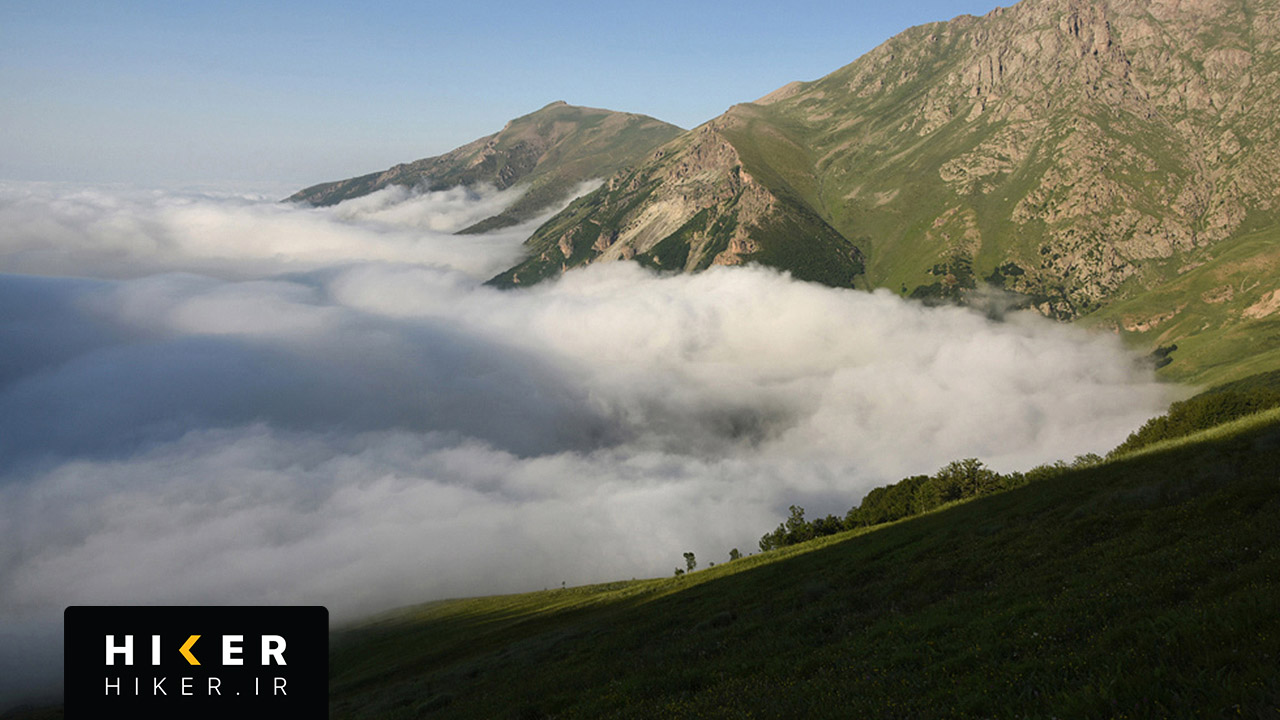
{"points": [[1142, 587], [1219, 314]]}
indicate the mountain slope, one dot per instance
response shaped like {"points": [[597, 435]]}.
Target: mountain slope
{"points": [[1219, 320], [1078, 153], [695, 203], [1142, 587], [1094, 146], [552, 150]]}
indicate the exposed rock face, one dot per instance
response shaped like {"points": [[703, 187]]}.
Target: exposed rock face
{"points": [[692, 205], [552, 150], [1268, 305], [1141, 325], [1090, 148]]}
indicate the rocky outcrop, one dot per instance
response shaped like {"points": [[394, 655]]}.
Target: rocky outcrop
{"points": [[1268, 305]]}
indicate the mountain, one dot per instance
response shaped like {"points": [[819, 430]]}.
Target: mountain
{"points": [[551, 150], [698, 202], [1082, 154], [1112, 162]]}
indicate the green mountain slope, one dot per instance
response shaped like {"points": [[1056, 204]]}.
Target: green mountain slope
{"points": [[551, 150], [1220, 315], [1081, 154], [1093, 145], [1143, 587]]}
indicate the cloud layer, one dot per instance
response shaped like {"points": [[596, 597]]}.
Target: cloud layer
{"points": [[223, 400]]}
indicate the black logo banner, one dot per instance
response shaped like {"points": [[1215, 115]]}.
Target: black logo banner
{"points": [[196, 662]]}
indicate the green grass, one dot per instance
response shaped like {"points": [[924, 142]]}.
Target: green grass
{"points": [[1142, 587], [1202, 312]]}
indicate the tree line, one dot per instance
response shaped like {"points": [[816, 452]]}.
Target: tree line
{"points": [[1208, 409], [967, 478], [914, 495]]}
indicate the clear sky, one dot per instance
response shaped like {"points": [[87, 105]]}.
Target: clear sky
{"points": [[284, 94]]}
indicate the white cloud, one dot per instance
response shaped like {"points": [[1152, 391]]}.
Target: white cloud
{"points": [[56, 230], [443, 211], [256, 403]]}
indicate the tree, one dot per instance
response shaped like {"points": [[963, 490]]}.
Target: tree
{"points": [[734, 555], [829, 525], [959, 479], [797, 529], [1086, 460], [886, 504], [690, 562]]}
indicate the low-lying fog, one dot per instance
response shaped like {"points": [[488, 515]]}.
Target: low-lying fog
{"points": [[209, 400]]}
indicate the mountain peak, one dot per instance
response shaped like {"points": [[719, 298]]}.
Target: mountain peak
{"points": [[552, 150]]}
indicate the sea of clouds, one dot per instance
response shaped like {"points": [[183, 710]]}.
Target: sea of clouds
{"points": [[210, 399]]}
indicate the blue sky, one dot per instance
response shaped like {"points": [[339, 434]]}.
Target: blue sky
{"points": [[279, 94]]}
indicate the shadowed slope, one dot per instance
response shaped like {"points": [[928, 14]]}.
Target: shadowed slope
{"points": [[1143, 587]]}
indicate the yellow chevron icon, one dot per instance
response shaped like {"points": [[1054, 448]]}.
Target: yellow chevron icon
{"points": [[186, 649]]}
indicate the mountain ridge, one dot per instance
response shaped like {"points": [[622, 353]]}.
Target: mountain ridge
{"points": [[964, 119], [1087, 156], [1078, 154], [551, 150]]}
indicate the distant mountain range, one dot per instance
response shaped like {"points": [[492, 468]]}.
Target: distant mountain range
{"points": [[1114, 162]]}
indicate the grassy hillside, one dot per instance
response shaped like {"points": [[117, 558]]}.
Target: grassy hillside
{"points": [[1146, 586], [1223, 314]]}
